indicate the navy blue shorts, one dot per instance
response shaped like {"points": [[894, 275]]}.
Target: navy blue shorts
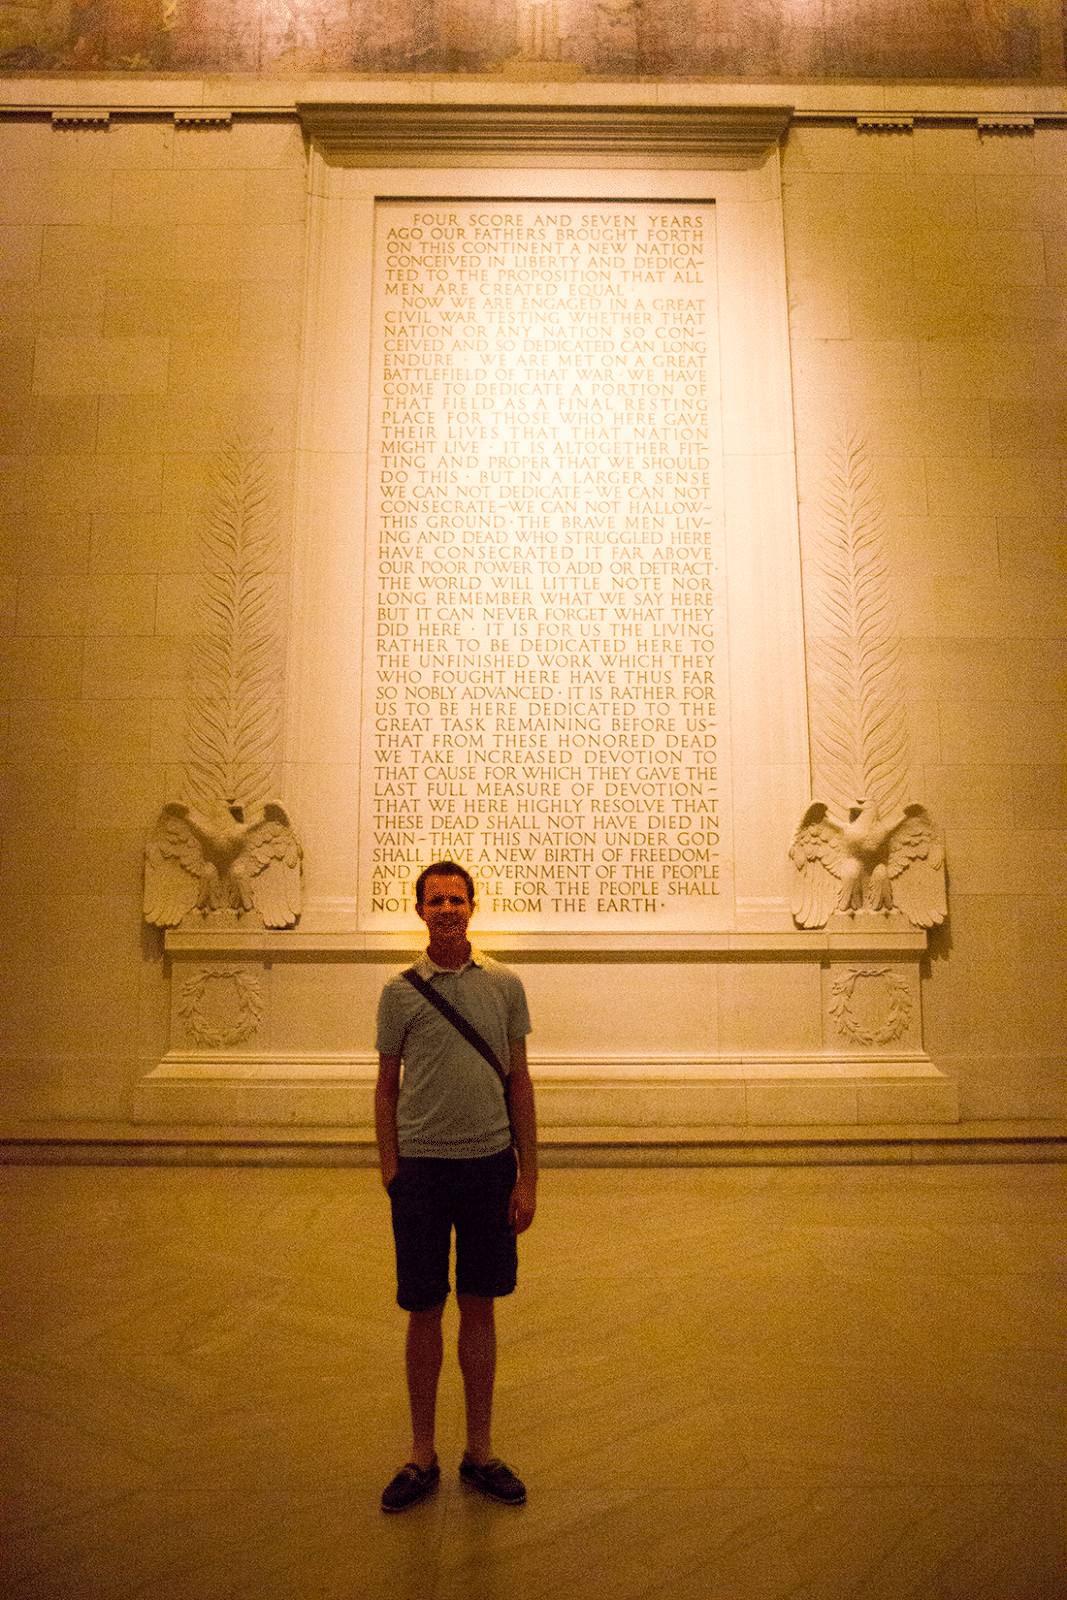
{"points": [[430, 1197]]}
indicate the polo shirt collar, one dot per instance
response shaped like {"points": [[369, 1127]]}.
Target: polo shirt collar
{"points": [[427, 968]]}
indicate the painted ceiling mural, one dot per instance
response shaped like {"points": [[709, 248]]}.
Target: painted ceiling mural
{"points": [[787, 39]]}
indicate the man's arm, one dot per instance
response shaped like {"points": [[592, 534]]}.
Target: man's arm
{"points": [[386, 1096], [524, 1127]]}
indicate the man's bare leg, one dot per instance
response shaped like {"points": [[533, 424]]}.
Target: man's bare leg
{"points": [[477, 1362], [424, 1354]]}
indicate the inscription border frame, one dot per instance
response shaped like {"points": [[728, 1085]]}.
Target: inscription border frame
{"points": [[769, 743]]}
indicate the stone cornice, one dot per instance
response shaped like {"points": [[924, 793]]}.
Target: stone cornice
{"points": [[94, 99], [433, 135]]}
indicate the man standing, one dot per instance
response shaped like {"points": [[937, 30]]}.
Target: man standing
{"points": [[448, 1152]]}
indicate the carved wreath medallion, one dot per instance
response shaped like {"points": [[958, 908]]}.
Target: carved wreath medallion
{"points": [[216, 1031], [867, 1030]]}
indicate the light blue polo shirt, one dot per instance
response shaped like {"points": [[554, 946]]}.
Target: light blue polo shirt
{"points": [[451, 1101]]}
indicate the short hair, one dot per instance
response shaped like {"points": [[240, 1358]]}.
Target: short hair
{"points": [[443, 869]]}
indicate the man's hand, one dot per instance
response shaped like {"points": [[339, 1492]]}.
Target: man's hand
{"points": [[386, 1095], [524, 1128], [523, 1203]]}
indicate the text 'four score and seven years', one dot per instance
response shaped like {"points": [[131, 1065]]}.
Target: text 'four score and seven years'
{"points": [[545, 559]]}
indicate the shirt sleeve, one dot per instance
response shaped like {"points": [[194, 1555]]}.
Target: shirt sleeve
{"points": [[390, 1029], [518, 1011]]}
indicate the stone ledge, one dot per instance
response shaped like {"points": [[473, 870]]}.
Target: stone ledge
{"points": [[62, 1130], [190, 1093], [117, 1144], [843, 936], [360, 1067]]}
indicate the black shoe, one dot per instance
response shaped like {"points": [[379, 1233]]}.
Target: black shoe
{"points": [[495, 1480], [410, 1485]]}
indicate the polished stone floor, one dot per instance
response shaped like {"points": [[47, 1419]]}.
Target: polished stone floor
{"points": [[719, 1384]]}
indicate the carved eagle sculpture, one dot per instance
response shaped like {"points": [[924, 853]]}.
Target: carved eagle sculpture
{"points": [[225, 858], [868, 864]]}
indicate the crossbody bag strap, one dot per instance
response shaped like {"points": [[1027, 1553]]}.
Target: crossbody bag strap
{"points": [[459, 1022]]}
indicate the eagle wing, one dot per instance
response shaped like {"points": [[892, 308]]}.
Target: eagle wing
{"points": [[271, 862], [817, 852], [174, 868], [916, 867]]}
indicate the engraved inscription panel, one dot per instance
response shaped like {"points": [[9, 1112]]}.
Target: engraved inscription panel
{"points": [[545, 619]]}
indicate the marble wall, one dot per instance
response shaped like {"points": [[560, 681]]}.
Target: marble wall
{"points": [[927, 284], [152, 309], [153, 288]]}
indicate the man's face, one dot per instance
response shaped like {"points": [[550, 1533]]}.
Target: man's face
{"points": [[446, 908]]}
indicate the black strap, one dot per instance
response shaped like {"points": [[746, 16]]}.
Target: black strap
{"points": [[459, 1022]]}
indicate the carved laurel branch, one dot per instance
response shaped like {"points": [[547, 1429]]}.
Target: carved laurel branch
{"points": [[859, 723], [233, 718], [897, 1014]]}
